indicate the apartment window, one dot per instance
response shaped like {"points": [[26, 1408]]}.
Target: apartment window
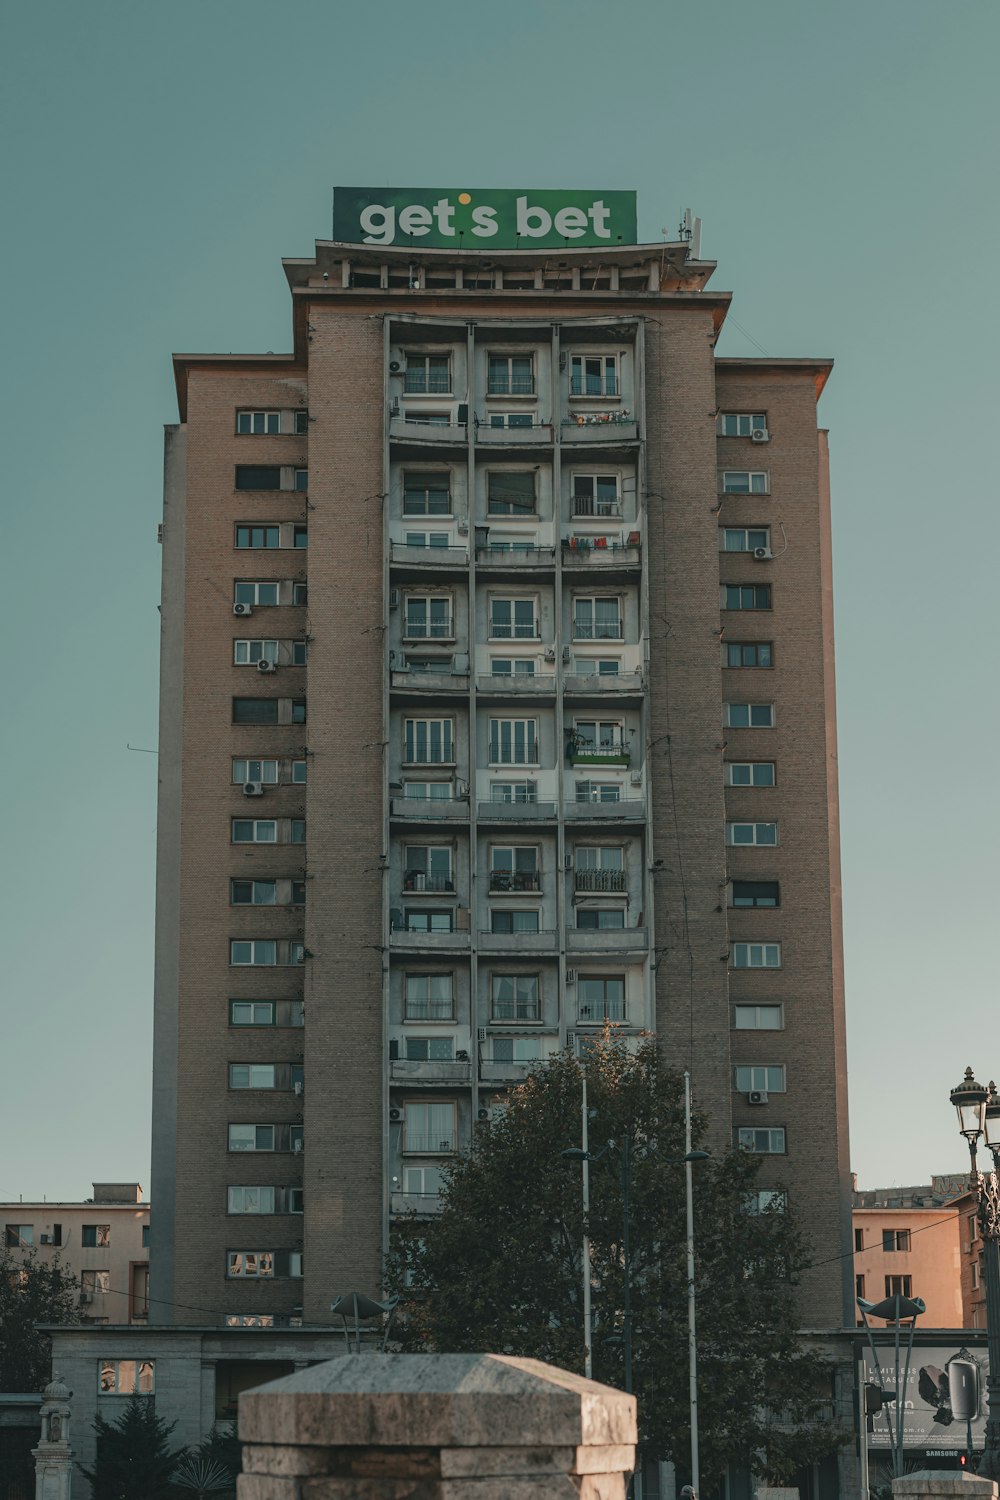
{"points": [[296, 830], [511, 494], [514, 867], [511, 419], [750, 773], [261, 953], [741, 423], [253, 892], [754, 893], [513, 619], [593, 375], [96, 1236], [426, 494], [515, 997], [254, 1265], [513, 742], [597, 618], [428, 617], [899, 1286], [747, 654], [895, 1239], [758, 1018], [514, 793], [600, 998], [765, 1076], [756, 956], [428, 791], [512, 666], [18, 1236], [95, 1282], [600, 868], [428, 539], [598, 791], [258, 536], [255, 710], [745, 538], [427, 867], [744, 482], [859, 1286], [429, 1127], [429, 921], [975, 1276], [255, 831], [599, 666], [428, 741], [300, 536], [752, 833], [249, 653], [429, 997], [514, 921], [596, 495], [252, 1075], [126, 1377], [258, 477], [592, 736], [300, 593], [749, 715], [763, 1142], [257, 592], [859, 1239], [251, 1137], [251, 1200], [423, 1182], [427, 374], [517, 1049], [258, 422], [510, 375], [746, 596], [430, 1049], [600, 919], [767, 1200], [251, 1013]]}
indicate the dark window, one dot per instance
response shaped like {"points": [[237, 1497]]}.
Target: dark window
{"points": [[895, 1239], [426, 494], [95, 1236], [511, 494], [302, 479], [298, 893], [57, 1234], [514, 921], [300, 536], [300, 593], [749, 653], [859, 1239], [599, 918], [255, 710], [145, 1236], [258, 477], [298, 710], [297, 831], [899, 1286], [748, 596], [755, 893], [301, 421], [257, 536], [859, 1286]]}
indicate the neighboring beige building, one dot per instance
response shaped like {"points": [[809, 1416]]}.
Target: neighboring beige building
{"points": [[922, 1241], [537, 732], [104, 1241]]}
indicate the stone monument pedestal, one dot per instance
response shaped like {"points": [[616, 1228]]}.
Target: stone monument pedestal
{"points": [[54, 1456]]}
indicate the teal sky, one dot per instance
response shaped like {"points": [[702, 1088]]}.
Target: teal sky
{"points": [[160, 159]]}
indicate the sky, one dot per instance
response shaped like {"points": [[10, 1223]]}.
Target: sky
{"points": [[160, 161]]}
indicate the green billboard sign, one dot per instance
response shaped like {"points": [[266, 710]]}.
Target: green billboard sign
{"points": [[483, 219]]}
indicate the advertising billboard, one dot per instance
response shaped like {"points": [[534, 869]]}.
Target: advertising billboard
{"points": [[946, 1389], [484, 218]]}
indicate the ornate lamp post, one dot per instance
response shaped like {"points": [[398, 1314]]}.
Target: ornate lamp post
{"points": [[979, 1116]]}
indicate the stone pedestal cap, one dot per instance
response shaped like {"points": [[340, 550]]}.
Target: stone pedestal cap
{"points": [[437, 1401], [949, 1483]]}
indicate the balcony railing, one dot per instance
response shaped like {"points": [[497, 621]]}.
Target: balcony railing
{"points": [[516, 811], [415, 880], [618, 418], [424, 630], [606, 385], [429, 1144], [415, 1203], [515, 1010], [515, 881], [597, 630], [501, 630], [429, 1010], [604, 753], [594, 1014], [510, 385], [503, 553], [612, 881], [596, 505], [427, 383]]}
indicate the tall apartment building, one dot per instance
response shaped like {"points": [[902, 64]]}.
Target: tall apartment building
{"points": [[537, 732]]}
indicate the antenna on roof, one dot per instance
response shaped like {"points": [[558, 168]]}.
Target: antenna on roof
{"points": [[690, 233]]}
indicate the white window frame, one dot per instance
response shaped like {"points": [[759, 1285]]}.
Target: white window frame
{"points": [[520, 666], [413, 358], [756, 956], [732, 765], [253, 1148], [579, 358], [741, 647], [447, 734], [513, 793], [271, 427], [759, 709], [443, 1046], [240, 1194], [745, 422], [528, 730], [768, 1078], [746, 538], [756, 841], [413, 1005], [516, 1002], [264, 885], [767, 1200], [250, 1265], [435, 630], [777, 1144], [758, 481], [242, 586], [247, 653], [519, 631], [592, 600], [254, 1083], [602, 507], [430, 540], [440, 1140], [258, 824], [504, 356], [263, 953]]}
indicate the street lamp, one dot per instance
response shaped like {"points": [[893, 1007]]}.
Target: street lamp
{"points": [[978, 1112]]}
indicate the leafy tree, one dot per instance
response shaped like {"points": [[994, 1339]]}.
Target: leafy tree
{"points": [[32, 1291], [134, 1458], [500, 1267]]}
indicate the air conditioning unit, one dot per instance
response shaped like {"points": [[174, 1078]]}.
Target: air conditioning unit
{"points": [[242, 609], [461, 1055], [571, 1040], [483, 1114], [394, 598], [298, 1086], [571, 976], [763, 554], [636, 778], [550, 653], [463, 528], [481, 1033], [297, 1146], [253, 789], [45, 1239], [463, 414], [760, 435], [265, 666], [86, 1297], [397, 1114], [395, 368], [757, 1096]]}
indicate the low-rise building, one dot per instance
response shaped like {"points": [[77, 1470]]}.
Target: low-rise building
{"points": [[921, 1241]]}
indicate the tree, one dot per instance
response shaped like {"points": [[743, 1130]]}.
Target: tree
{"points": [[134, 1458], [32, 1291], [500, 1267]]}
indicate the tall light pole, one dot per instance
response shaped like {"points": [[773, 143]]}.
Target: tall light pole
{"points": [[979, 1117], [689, 1158]]}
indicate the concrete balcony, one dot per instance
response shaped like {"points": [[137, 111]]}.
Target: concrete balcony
{"points": [[530, 434], [420, 1204], [609, 940], [454, 1074], [430, 809], [616, 551], [427, 684], [428, 942], [604, 685], [517, 684], [434, 559], [603, 427], [427, 434], [519, 942], [501, 557], [515, 812], [625, 810], [508, 1072]]}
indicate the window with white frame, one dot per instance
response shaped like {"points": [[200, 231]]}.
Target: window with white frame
{"points": [[428, 921], [428, 741], [513, 619], [429, 1127], [749, 715], [514, 920], [600, 997], [512, 666], [249, 653], [260, 593], [596, 735], [596, 495], [268, 771], [252, 1265], [255, 831], [507, 420], [252, 1012], [745, 482], [515, 997], [597, 617], [251, 1200], [598, 791], [428, 539], [750, 893], [747, 654], [756, 955], [428, 867], [253, 1075], [422, 1182], [744, 538], [751, 833], [513, 742], [428, 791], [600, 868], [517, 1049], [600, 918], [767, 1201], [597, 666], [126, 1377], [511, 493], [593, 375], [769, 1078], [510, 375], [750, 773], [429, 997], [426, 493], [746, 596], [428, 617], [766, 1142], [258, 422], [251, 1137], [427, 374], [514, 793], [758, 1018], [741, 423], [253, 892], [257, 952]]}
